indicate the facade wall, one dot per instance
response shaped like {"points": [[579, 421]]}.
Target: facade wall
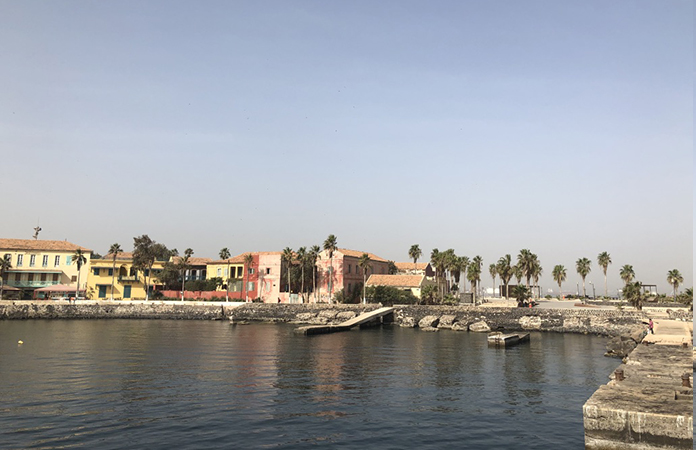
{"points": [[44, 271], [270, 266], [346, 273], [127, 283], [240, 275]]}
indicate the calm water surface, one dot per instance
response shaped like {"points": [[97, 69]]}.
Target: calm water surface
{"points": [[115, 384]]}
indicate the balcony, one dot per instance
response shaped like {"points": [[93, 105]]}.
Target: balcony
{"points": [[128, 278], [30, 284]]}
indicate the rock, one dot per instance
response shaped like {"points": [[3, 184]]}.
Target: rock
{"points": [[530, 322], [345, 315], [460, 326], [408, 322], [328, 314], [620, 346], [479, 327], [304, 317], [447, 320], [428, 322], [429, 329]]}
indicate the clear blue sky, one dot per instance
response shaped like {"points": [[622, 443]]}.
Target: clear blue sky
{"points": [[487, 127]]}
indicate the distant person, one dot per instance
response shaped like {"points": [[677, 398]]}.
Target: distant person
{"points": [[650, 327], [278, 299]]}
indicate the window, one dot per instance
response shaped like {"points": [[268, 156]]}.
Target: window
{"points": [[251, 270], [349, 268], [225, 271], [268, 270], [219, 272], [8, 257], [32, 260], [18, 277], [111, 272], [250, 286], [73, 278], [44, 261], [30, 277], [56, 263], [96, 271], [43, 277], [20, 260], [240, 272], [68, 260], [55, 277]]}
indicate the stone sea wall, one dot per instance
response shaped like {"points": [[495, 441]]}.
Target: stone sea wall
{"points": [[465, 318]]}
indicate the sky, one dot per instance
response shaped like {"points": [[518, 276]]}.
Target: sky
{"points": [[565, 128]]}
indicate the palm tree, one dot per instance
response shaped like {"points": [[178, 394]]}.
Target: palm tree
{"points": [[313, 256], [525, 262], [79, 259], [559, 276], [473, 275], [583, 267], [627, 274], [450, 265], [518, 272], [604, 259], [364, 264], [302, 257], [414, 253], [183, 266], [330, 245], [675, 279], [479, 264], [114, 250], [536, 272], [633, 292], [437, 259], [493, 271], [248, 261], [288, 256], [457, 266], [5, 265], [225, 255], [506, 272]]}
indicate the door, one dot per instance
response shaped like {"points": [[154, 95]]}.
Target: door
{"points": [[126, 292], [102, 291]]}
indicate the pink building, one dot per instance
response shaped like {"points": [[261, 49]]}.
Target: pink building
{"points": [[347, 275]]}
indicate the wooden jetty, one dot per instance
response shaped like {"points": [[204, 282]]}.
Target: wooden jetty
{"points": [[507, 340], [362, 319]]}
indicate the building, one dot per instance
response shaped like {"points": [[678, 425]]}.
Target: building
{"points": [[129, 283], [197, 268], [38, 263], [412, 283], [232, 270], [343, 272], [409, 268]]}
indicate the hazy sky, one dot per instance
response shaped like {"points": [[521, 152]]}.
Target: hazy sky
{"points": [[487, 127]]}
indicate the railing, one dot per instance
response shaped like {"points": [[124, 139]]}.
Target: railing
{"points": [[29, 284], [128, 278]]}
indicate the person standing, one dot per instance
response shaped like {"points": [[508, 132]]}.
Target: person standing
{"points": [[650, 327]]}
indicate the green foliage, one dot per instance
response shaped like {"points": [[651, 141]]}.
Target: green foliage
{"points": [[521, 294], [633, 292], [686, 297], [392, 268], [389, 296], [428, 294]]}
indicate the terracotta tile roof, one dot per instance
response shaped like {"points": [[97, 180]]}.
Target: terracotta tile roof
{"points": [[40, 244], [358, 254], [193, 261], [405, 266], [395, 280], [122, 256]]}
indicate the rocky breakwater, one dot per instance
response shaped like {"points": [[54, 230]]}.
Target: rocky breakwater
{"points": [[484, 319], [111, 310], [314, 314]]}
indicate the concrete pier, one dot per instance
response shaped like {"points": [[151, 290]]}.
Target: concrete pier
{"points": [[361, 320], [648, 404]]}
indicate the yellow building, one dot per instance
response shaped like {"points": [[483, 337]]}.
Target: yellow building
{"points": [[38, 263], [232, 269], [128, 282]]}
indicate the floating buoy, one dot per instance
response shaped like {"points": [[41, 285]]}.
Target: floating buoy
{"points": [[20, 342]]}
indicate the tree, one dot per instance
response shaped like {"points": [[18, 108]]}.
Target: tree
{"points": [[675, 279], [633, 292], [518, 272], [302, 257], [313, 256], [536, 272], [415, 253], [493, 271], [559, 276], [505, 270], [78, 259], [627, 274], [364, 264], [248, 261], [583, 267], [391, 268], [525, 261], [114, 250], [145, 253], [437, 259], [330, 245], [5, 265], [288, 256], [183, 267], [428, 294], [604, 259], [473, 275], [521, 293], [225, 255], [458, 266]]}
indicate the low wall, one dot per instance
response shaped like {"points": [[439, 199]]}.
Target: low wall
{"points": [[599, 322]]}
